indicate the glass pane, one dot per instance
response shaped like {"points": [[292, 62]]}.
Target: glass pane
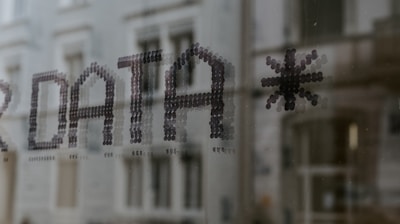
{"points": [[321, 18], [292, 107], [134, 169], [192, 166], [67, 183], [300, 194], [161, 182], [184, 77], [150, 76], [328, 142], [329, 193]]}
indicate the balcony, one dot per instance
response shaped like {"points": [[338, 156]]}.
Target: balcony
{"points": [[371, 58]]}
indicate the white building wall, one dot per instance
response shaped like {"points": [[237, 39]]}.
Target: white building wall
{"points": [[106, 32]]}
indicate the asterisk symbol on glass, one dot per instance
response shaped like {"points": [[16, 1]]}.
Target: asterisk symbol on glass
{"points": [[291, 77]]}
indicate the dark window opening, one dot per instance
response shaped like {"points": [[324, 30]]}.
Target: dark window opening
{"points": [[184, 77], [151, 71], [321, 19]]}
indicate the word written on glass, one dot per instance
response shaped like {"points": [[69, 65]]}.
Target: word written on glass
{"points": [[136, 63]]}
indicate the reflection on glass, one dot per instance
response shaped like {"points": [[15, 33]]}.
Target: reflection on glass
{"points": [[192, 169], [181, 42], [321, 19], [329, 193], [134, 192], [150, 76], [67, 183], [161, 181]]}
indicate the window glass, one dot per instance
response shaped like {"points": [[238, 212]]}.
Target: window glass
{"points": [[74, 64], [151, 71], [161, 186], [199, 111], [184, 77], [134, 192], [321, 19], [192, 167], [67, 184]]}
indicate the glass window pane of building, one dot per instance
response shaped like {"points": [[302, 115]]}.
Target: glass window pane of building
{"points": [[199, 111]]}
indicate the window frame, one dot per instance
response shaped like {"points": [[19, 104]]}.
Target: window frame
{"points": [[295, 172]]}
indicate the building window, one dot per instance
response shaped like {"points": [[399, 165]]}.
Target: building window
{"points": [[184, 77], [13, 73], [393, 117], [75, 65], [192, 177], [329, 193], [13, 10], [134, 180], [67, 183], [161, 185], [323, 154], [151, 71], [7, 186], [394, 122], [321, 19]]}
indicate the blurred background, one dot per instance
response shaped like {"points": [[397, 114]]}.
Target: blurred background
{"points": [[334, 163]]}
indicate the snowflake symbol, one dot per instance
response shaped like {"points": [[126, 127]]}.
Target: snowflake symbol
{"points": [[290, 79]]}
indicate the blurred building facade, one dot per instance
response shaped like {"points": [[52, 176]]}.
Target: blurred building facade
{"points": [[192, 180], [333, 163], [336, 162]]}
